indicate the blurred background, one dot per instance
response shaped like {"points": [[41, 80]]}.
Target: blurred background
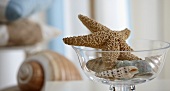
{"points": [[147, 19]]}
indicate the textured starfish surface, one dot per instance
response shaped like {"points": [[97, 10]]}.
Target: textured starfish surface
{"points": [[105, 39], [94, 26]]}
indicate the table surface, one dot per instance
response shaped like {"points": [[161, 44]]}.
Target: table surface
{"points": [[155, 85], [13, 88]]}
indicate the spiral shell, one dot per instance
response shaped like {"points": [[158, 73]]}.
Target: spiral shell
{"points": [[96, 65], [45, 66], [119, 73], [154, 61], [30, 73]]}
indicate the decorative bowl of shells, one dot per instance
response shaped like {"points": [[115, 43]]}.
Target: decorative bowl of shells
{"points": [[107, 56], [124, 69]]}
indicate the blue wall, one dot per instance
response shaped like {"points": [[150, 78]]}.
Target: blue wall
{"points": [[55, 17]]}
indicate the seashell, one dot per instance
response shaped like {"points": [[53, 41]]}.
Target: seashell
{"points": [[154, 62], [144, 75], [142, 65], [30, 73], [144, 68], [119, 73], [96, 65], [25, 32], [45, 66]]}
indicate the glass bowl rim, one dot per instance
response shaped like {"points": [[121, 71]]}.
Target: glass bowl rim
{"points": [[147, 50]]}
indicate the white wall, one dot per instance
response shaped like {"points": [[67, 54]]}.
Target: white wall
{"points": [[147, 19], [10, 61], [112, 13], [166, 36]]}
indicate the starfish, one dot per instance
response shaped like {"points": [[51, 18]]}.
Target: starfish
{"points": [[94, 26], [105, 39]]}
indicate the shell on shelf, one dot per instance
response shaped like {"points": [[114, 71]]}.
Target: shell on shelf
{"points": [[45, 66], [18, 33]]}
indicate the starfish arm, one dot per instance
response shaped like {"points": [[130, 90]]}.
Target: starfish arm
{"points": [[124, 46], [126, 55], [109, 58], [92, 25], [95, 40], [125, 33]]}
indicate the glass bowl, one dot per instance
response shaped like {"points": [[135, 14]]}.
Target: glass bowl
{"points": [[102, 66]]}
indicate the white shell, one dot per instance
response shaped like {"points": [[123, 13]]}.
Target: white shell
{"points": [[154, 62], [122, 72]]}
